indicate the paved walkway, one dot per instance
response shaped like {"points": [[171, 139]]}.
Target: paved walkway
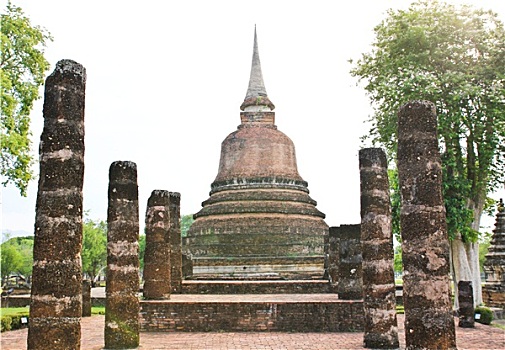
{"points": [[479, 338]]}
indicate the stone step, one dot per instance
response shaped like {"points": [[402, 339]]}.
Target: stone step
{"points": [[257, 267], [255, 287]]}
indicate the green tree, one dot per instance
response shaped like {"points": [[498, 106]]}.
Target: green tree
{"points": [[484, 243], [94, 247], [17, 256], [398, 263], [186, 221], [455, 58], [142, 250], [24, 245], [11, 260], [22, 69]]}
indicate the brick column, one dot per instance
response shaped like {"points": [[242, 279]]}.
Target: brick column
{"points": [[379, 300], [429, 323], [175, 241], [86, 298], [350, 283], [56, 293], [157, 255], [122, 302], [466, 310], [333, 257]]}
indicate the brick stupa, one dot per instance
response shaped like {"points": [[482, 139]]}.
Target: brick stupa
{"points": [[493, 292], [259, 222]]}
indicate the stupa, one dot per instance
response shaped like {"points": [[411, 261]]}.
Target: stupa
{"points": [[259, 221], [493, 291]]}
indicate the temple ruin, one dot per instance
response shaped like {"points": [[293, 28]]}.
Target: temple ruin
{"points": [[259, 256]]}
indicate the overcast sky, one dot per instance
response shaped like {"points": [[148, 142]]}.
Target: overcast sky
{"points": [[165, 80]]}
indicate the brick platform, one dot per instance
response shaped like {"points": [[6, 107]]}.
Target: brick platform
{"points": [[252, 312], [481, 337]]}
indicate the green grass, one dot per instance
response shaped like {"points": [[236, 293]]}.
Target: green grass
{"points": [[9, 311], [498, 325], [98, 310]]}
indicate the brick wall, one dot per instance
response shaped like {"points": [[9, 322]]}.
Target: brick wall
{"points": [[337, 316], [255, 287]]}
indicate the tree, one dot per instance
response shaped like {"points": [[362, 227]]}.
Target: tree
{"points": [[186, 221], [17, 256], [142, 250], [484, 243], [94, 247], [22, 70], [455, 58], [11, 260]]}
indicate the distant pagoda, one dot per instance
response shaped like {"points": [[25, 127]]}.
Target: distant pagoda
{"points": [[493, 291], [259, 221]]}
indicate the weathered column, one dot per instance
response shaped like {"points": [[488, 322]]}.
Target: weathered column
{"points": [[122, 302], [175, 241], [466, 310], [56, 299], [429, 322], [157, 254], [350, 282], [333, 257], [86, 298], [379, 300]]}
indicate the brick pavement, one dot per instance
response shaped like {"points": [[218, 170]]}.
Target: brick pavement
{"points": [[479, 338]]}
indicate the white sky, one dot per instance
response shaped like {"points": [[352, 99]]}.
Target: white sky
{"points": [[165, 80]]}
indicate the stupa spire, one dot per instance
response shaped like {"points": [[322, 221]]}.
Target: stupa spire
{"points": [[256, 93]]}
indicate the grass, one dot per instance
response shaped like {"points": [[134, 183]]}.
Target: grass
{"points": [[498, 325], [9, 311], [98, 310]]}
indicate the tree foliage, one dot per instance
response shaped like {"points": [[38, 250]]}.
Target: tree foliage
{"points": [[186, 221], [17, 256], [22, 69], [455, 58], [142, 250], [94, 247]]}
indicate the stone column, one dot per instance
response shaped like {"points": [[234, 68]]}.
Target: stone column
{"points": [[429, 322], [56, 299], [379, 300], [350, 283], [122, 288], [157, 255], [333, 257], [175, 241], [465, 300], [86, 298]]}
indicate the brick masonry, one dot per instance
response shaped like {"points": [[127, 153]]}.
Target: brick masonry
{"points": [[286, 313], [256, 287]]}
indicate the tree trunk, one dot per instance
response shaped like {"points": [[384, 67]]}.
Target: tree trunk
{"points": [[465, 262]]}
